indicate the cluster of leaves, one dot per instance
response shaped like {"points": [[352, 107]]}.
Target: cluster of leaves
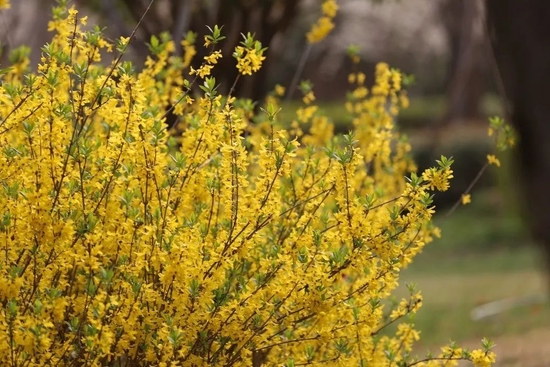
{"points": [[236, 242]]}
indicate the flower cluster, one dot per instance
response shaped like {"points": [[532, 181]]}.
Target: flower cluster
{"points": [[320, 29], [189, 50], [211, 59], [249, 55], [504, 138], [503, 135], [244, 244]]}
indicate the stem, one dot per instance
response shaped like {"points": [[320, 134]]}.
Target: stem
{"points": [[467, 191], [298, 73]]}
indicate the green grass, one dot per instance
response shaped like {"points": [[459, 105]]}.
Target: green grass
{"points": [[486, 224], [437, 262], [484, 255], [451, 295]]}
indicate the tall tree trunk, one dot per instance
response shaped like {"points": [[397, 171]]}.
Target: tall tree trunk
{"points": [[519, 32], [466, 86]]}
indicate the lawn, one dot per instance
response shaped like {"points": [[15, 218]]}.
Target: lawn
{"points": [[483, 256]]}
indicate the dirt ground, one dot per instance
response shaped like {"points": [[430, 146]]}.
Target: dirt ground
{"points": [[531, 349]]}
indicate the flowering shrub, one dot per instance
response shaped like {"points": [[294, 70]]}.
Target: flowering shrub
{"points": [[234, 242]]}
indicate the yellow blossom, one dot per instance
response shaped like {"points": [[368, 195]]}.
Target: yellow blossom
{"points": [[329, 8], [124, 41], [279, 90], [213, 57], [249, 61], [404, 100], [203, 71], [189, 52], [305, 114], [325, 24], [320, 30], [186, 229], [483, 359], [361, 78], [308, 98], [466, 199], [492, 159], [438, 179]]}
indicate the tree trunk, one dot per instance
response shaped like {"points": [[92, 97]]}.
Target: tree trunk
{"points": [[465, 35], [265, 18], [519, 32]]}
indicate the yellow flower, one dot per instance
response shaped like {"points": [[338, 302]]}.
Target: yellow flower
{"points": [[361, 78], [203, 71], [403, 100], [492, 159], [360, 92], [438, 179], [305, 114], [309, 98], [213, 57], [482, 359], [248, 60], [279, 90], [5, 4], [382, 68], [189, 52], [323, 26], [124, 41], [239, 222], [396, 80], [466, 199], [330, 8], [320, 30]]}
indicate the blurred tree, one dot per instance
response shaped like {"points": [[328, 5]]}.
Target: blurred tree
{"points": [[463, 22], [266, 18], [519, 32], [25, 23]]}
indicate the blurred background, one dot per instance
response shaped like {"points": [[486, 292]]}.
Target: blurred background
{"points": [[485, 254]]}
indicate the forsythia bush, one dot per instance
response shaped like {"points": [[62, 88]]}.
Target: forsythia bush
{"points": [[236, 242]]}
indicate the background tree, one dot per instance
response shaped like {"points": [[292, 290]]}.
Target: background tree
{"points": [[25, 25], [466, 84], [267, 19], [520, 33]]}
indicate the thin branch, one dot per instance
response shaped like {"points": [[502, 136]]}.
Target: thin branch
{"points": [[468, 189], [298, 72]]}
